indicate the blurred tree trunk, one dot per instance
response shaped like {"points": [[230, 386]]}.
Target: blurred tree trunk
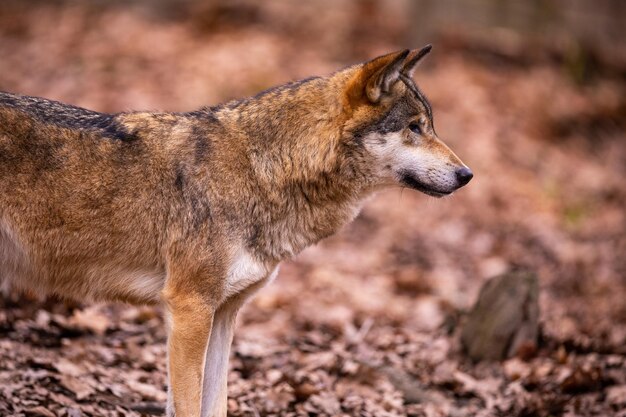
{"points": [[504, 322], [594, 24]]}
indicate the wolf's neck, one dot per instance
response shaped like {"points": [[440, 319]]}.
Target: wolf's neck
{"points": [[293, 131], [309, 177], [293, 134]]}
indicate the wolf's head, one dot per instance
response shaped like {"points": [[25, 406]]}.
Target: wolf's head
{"points": [[392, 120]]}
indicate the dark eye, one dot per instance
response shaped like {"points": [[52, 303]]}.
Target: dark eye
{"points": [[415, 128]]}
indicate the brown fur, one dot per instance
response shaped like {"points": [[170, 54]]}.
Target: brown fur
{"points": [[196, 209]]}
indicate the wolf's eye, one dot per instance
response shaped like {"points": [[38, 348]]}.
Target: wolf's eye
{"points": [[415, 128]]}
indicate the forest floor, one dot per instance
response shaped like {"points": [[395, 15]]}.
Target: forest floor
{"points": [[365, 323]]}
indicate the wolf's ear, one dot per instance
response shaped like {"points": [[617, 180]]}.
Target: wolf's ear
{"points": [[414, 58], [380, 74]]}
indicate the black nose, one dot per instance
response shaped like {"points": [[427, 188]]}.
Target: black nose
{"points": [[464, 175]]}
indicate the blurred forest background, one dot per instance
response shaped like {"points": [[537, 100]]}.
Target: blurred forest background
{"points": [[531, 95]]}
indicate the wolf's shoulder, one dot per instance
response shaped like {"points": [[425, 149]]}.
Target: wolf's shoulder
{"points": [[64, 115]]}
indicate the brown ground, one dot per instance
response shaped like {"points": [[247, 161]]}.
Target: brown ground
{"points": [[365, 323]]}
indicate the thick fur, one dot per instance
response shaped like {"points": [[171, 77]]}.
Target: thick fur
{"points": [[197, 209]]}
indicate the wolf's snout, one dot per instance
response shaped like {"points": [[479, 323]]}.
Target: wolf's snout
{"points": [[464, 175]]}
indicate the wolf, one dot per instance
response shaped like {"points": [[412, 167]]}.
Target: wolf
{"points": [[196, 210]]}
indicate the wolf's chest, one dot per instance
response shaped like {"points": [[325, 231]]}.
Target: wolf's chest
{"points": [[291, 234], [245, 270]]}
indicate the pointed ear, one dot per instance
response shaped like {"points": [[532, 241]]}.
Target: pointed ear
{"points": [[381, 74], [414, 58]]}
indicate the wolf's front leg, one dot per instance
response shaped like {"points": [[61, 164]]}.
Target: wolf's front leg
{"points": [[191, 320], [215, 390], [215, 393]]}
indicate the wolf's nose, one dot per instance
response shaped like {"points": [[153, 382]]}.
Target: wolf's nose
{"points": [[464, 175]]}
